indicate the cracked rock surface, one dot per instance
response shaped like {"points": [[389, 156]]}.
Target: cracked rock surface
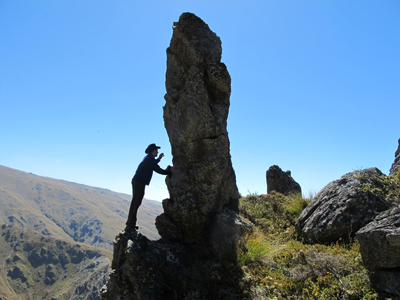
{"points": [[195, 115], [380, 241], [341, 208]]}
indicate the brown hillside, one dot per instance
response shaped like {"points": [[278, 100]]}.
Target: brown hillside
{"points": [[35, 266], [69, 210]]}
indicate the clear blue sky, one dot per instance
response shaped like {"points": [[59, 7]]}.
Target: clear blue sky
{"points": [[315, 87]]}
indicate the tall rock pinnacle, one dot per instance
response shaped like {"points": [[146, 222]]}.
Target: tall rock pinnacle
{"points": [[195, 114], [199, 227]]}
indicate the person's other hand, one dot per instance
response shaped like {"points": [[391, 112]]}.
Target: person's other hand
{"points": [[161, 155], [172, 169]]}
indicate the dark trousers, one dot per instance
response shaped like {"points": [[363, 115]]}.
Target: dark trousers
{"points": [[137, 197]]}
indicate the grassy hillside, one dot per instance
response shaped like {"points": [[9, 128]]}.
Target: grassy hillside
{"points": [[276, 265], [68, 210], [34, 266]]}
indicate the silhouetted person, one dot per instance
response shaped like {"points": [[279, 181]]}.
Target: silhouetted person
{"points": [[142, 178]]}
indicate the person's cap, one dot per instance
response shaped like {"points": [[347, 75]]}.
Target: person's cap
{"points": [[151, 148]]}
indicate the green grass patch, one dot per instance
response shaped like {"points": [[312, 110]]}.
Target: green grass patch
{"points": [[296, 204], [276, 265], [274, 214], [257, 247]]}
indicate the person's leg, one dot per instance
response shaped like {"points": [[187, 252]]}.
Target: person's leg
{"points": [[137, 197]]}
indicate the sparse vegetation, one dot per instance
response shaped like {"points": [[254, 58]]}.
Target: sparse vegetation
{"points": [[273, 214], [257, 247], [387, 186], [278, 266]]}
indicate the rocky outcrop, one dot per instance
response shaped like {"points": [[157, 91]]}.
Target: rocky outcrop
{"points": [[89, 232], [152, 270], [196, 256], [144, 269], [341, 208], [380, 241], [396, 164], [281, 182], [16, 273], [380, 250], [195, 116]]}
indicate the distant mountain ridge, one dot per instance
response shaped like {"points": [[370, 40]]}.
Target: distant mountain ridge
{"points": [[69, 210]]}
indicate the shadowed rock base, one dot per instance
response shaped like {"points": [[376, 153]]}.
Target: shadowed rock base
{"points": [[152, 270]]}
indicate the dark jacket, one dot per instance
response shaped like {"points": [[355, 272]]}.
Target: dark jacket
{"points": [[145, 169]]}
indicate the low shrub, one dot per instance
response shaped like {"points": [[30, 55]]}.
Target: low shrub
{"points": [[273, 213], [297, 204], [256, 247]]}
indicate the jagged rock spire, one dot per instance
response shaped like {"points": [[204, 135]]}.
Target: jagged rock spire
{"points": [[195, 115], [396, 164]]}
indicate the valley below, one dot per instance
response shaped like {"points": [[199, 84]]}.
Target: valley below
{"points": [[57, 236]]}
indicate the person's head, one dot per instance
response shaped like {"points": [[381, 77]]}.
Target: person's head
{"points": [[153, 149]]}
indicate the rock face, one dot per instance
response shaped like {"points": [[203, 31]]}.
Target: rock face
{"points": [[195, 116], [380, 241], [387, 281], [396, 164], [341, 208], [380, 250], [152, 270], [281, 182]]}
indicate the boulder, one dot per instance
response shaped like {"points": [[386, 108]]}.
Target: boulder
{"points": [[380, 241], [380, 250], [281, 182], [396, 164], [195, 115], [341, 208]]}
